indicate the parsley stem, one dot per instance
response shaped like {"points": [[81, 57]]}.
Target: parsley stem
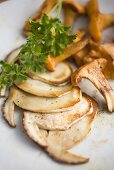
{"points": [[57, 6]]}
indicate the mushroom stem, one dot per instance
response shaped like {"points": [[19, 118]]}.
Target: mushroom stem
{"points": [[8, 109], [93, 72], [98, 21], [77, 7], [45, 8], [71, 49], [69, 16]]}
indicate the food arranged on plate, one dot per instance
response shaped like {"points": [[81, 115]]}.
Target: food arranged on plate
{"points": [[41, 77]]}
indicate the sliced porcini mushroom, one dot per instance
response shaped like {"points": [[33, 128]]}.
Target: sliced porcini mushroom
{"points": [[70, 137], [62, 120], [36, 134], [39, 88], [59, 77], [43, 104], [65, 156], [93, 72], [56, 143], [70, 50], [8, 109], [71, 11], [98, 21], [38, 104], [3, 91], [10, 59], [45, 8]]}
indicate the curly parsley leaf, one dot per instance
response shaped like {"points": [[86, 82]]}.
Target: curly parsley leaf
{"points": [[52, 34], [12, 72], [49, 37]]}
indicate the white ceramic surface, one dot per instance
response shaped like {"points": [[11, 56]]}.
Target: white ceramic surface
{"points": [[17, 151]]}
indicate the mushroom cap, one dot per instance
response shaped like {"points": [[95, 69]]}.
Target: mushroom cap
{"points": [[39, 88], [57, 142], [59, 77], [38, 104], [62, 120], [93, 72], [43, 104]]}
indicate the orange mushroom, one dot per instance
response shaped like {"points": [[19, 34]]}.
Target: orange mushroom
{"points": [[71, 49], [71, 11], [98, 21], [45, 8]]}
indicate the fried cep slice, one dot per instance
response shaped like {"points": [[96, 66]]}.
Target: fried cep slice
{"points": [[56, 143], [38, 104], [98, 21], [62, 120], [93, 72], [69, 138], [39, 88], [8, 109], [71, 11], [3, 91], [46, 7], [10, 58], [59, 77], [43, 104], [71, 49]]}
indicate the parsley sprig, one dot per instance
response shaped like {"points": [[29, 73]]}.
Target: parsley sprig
{"points": [[49, 37]]}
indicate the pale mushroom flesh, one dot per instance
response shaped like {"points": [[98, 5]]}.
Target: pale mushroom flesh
{"points": [[93, 72]]}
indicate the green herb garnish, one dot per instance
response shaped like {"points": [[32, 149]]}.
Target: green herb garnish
{"points": [[49, 37]]}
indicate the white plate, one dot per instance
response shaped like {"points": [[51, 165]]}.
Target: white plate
{"points": [[17, 151]]}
